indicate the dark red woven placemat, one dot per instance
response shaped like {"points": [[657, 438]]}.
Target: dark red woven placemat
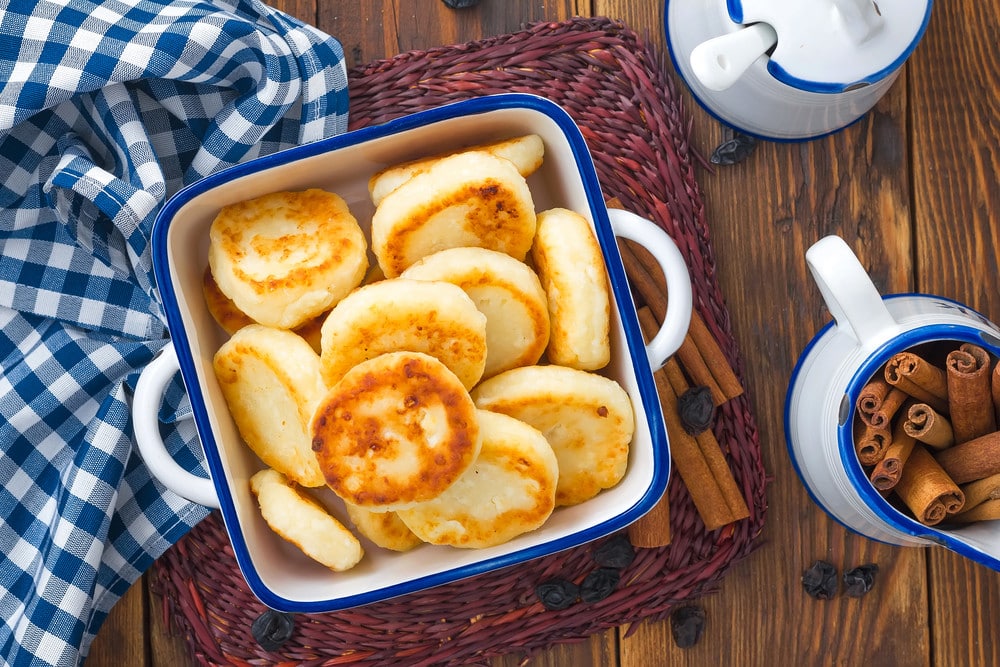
{"points": [[627, 107]]}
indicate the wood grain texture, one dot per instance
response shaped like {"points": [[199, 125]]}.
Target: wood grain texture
{"points": [[913, 189], [956, 122]]}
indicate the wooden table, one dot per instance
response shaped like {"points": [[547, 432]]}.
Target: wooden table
{"points": [[913, 189]]}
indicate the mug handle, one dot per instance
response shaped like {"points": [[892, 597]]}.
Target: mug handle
{"points": [[849, 293], [678, 316], [145, 407]]}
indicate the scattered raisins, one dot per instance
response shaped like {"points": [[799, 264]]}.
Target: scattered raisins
{"points": [[734, 150], [820, 580], [272, 629], [687, 624], [615, 552], [860, 580], [599, 584], [696, 409], [556, 594]]}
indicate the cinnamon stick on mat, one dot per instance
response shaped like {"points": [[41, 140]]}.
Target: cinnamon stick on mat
{"points": [[887, 472], [928, 426], [995, 388], [700, 354], [927, 489], [699, 459], [870, 442], [970, 396], [973, 459], [919, 378]]}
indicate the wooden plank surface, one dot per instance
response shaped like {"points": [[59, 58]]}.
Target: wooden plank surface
{"points": [[913, 189]]}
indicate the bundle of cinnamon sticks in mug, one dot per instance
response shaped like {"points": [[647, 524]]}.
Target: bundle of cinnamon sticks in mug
{"points": [[927, 433]]}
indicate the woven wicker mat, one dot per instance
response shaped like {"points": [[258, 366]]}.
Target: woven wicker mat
{"points": [[627, 108]]}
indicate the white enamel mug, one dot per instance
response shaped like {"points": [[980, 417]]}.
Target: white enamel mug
{"points": [[821, 402]]}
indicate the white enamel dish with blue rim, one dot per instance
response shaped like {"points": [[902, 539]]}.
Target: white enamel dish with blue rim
{"points": [[277, 573]]}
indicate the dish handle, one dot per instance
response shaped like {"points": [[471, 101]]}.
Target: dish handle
{"points": [[145, 407], [678, 316]]}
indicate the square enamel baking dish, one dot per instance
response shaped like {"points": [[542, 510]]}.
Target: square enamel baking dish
{"points": [[280, 575]]}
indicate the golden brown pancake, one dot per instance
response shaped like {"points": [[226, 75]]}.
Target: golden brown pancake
{"points": [[503, 289], [570, 265], [302, 521], [525, 153], [272, 384], [587, 418], [396, 430], [468, 199], [436, 318], [508, 491], [286, 257]]}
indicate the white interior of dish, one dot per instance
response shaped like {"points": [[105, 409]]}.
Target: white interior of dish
{"points": [[281, 568]]}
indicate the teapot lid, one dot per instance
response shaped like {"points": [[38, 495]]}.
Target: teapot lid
{"points": [[830, 46]]}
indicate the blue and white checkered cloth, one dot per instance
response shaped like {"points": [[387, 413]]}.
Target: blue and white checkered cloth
{"points": [[107, 107]]}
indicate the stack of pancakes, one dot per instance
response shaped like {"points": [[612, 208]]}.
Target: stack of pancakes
{"points": [[443, 387]]}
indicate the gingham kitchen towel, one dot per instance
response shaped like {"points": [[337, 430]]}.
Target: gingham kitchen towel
{"points": [[106, 109]]}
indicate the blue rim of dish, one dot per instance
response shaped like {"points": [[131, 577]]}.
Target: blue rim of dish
{"points": [[845, 437], [735, 8], [619, 286]]}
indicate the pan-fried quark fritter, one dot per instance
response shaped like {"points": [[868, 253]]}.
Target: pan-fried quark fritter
{"points": [[396, 430], [467, 199], [503, 289], [508, 491], [272, 384], [433, 317], [286, 257], [524, 152], [570, 265], [305, 523], [586, 417]]}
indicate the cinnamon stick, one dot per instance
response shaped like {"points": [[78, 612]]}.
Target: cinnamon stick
{"points": [[887, 472], [700, 353], [981, 491], [928, 426], [927, 489], [699, 459], [871, 397], [919, 378], [973, 459], [995, 389], [870, 442], [985, 511], [970, 397], [711, 451], [652, 529]]}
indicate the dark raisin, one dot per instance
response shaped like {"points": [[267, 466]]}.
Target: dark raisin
{"points": [[687, 624], [272, 629], [860, 580], [599, 584], [616, 552], [696, 409], [820, 580], [460, 4], [557, 593], [734, 150]]}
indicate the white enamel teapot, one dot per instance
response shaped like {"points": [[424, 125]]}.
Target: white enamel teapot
{"points": [[791, 69]]}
